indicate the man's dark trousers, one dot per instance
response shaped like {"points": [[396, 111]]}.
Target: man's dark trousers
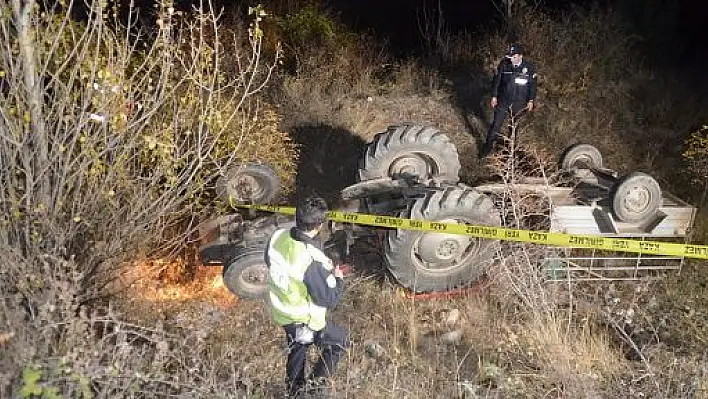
{"points": [[333, 341], [501, 113]]}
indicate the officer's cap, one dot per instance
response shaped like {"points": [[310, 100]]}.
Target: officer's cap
{"points": [[514, 49]]}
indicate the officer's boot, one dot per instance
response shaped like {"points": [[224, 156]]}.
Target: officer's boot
{"points": [[488, 145], [328, 361]]}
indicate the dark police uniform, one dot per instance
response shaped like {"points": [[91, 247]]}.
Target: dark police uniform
{"points": [[514, 87]]}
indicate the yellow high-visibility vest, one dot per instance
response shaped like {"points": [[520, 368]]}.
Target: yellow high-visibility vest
{"points": [[289, 300]]}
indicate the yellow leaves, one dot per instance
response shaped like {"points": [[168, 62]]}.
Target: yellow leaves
{"points": [[2, 74], [41, 208], [6, 337], [257, 12], [697, 144], [256, 32], [150, 142], [77, 219], [103, 74]]}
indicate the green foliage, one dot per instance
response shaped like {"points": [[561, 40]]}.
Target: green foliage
{"points": [[30, 379], [32, 386], [37, 383], [308, 27], [311, 33]]}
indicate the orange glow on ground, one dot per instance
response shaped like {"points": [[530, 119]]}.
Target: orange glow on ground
{"points": [[164, 283]]}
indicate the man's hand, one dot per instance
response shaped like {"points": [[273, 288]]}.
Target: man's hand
{"points": [[493, 102], [337, 272], [529, 105]]}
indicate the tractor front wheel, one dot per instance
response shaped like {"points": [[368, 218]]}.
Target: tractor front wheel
{"points": [[248, 183], [247, 275]]}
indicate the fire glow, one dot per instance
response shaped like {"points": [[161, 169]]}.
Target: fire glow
{"points": [[162, 281]]}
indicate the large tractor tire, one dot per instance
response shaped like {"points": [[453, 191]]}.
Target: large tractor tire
{"points": [[425, 261], [581, 156], [411, 151], [636, 197], [252, 183], [247, 274]]}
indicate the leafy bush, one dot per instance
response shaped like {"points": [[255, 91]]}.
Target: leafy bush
{"points": [[696, 155], [111, 144], [312, 38]]}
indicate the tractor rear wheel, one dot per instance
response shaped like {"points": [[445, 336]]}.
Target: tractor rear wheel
{"points": [[425, 261], [411, 151]]}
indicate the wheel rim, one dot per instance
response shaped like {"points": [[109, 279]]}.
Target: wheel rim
{"points": [[440, 253], [412, 165], [247, 187], [254, 277], [637, 199], [581, 161]]}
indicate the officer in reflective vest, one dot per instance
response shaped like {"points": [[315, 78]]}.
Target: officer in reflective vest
{"points": [[513, 93], [303, 285]]}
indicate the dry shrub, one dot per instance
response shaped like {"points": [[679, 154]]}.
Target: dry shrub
{"points": [[411, 78], [577, 360], [332, 82], [60, 347], [540, 325], [399, 347], [595, 87], [337, 81], [112, 141], [542, 329], [588, 74], [583, 64], [326, 62]]}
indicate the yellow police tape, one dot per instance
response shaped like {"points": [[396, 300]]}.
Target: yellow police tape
{"points": [[501, 233]]}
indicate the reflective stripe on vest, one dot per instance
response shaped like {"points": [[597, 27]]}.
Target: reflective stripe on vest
{"points": [[289, 300]]}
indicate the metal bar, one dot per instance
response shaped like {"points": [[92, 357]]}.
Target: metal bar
{"points": [[605, 279], [616, 258], [578, 266], [615, 268]]}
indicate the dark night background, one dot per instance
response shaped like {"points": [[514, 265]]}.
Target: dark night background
{"points": [[677, 28], [672, 31]]}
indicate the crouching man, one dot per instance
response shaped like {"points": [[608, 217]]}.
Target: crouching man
{"points": [[303, 285]]}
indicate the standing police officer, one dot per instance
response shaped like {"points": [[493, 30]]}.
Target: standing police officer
{"points": [[303, 285], [513, 91]]}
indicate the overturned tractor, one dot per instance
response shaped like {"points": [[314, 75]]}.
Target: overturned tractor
{"points": [[412, 171]]}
